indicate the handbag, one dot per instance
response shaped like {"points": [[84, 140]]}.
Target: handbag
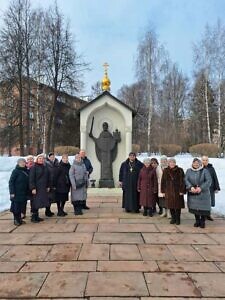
{"points": [[80, 183]]}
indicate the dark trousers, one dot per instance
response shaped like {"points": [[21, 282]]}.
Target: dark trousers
{"points": [[77, 205], [24, 208], [60, 206], [16, 208], [175, 216]]}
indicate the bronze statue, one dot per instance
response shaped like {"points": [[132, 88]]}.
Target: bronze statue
{"points": [[106, 151]]}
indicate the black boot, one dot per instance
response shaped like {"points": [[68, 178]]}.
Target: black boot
{"points": [[177, 216], [145, 213], [160, 210], [62, 207], [17, 220], [150, 212], [60, 211], [197, 221], [34, 218], [48, 212], [202, 222], [173, 216], [84, 205], [77, 208]]}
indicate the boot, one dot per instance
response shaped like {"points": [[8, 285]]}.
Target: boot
{"points": [[173, 216], [48, 212], [209, 218], [160, 210], [62, 207], [150, 212], [164, 213], [17, 220], [197, 221], [202, 222], [77, 208], [177, 215], [60, 211], [145, 213], [34, 218], [84, 205], [168, 214]]}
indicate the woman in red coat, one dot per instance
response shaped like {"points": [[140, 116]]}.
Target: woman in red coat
{"points": [[148, 187]]}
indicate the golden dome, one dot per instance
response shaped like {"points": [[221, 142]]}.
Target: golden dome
{"points": [[106, 81]]}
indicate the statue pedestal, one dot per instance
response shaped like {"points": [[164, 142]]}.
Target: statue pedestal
{"points": [[106, 183]]}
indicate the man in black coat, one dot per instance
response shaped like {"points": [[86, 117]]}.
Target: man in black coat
{"points": [[128, 178], [215, 187], [89, 168]]}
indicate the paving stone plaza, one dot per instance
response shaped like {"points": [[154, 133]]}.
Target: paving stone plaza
{"points": [[109, 253]]}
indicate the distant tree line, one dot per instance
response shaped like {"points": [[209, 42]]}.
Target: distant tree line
{"points": [[172, 108], [36, 45]]}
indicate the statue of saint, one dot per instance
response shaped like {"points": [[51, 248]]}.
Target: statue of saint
{"points": [[106, 151]]}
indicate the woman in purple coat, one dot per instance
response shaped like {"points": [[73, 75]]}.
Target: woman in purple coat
{"points": [[148, 187]]}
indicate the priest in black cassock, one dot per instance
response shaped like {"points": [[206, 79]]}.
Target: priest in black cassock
{"points": [[128, 177]]}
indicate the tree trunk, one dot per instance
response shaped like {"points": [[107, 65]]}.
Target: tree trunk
{"points": [[149, 115], [21, 133], [207, 110]]}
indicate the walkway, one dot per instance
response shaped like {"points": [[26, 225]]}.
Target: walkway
{"points": [[108, 253]]}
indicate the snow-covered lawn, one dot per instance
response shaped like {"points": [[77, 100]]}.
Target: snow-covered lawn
{"points": [[7, 164]]}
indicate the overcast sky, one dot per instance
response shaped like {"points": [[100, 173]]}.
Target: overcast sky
{"points": [[109, 30]]}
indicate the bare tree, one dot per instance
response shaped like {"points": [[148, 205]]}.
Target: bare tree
{"points": [[198, 115], [134, 97], [174, 95], [150, 61], [203, 63], [96, 90], [63, 66], [12, 56], [217, 41]]}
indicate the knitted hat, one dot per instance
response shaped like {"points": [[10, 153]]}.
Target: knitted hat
{"points": [[172, 160], [21, 159], [197, 159], [147, 160], [163, 157]]}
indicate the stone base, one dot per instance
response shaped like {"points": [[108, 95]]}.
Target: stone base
{"points": [[106, 183]]}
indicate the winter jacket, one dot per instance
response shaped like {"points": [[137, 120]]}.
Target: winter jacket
{"points": [[215, 183], [77, 172], [39, 179], [148, 186], [198, 177], [62, 180], [172, 185], [19, 184], [88, 165]]}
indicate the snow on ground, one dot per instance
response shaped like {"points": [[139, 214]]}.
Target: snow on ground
{"points": [[7, 164]]}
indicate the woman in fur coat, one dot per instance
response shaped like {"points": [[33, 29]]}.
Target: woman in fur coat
{"points": [[173, 189]]}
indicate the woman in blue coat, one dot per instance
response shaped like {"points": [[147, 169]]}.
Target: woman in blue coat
{"points": [[18, 189], [198, 181]]}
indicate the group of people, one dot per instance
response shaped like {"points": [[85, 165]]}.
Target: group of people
{"points": [[46, 180], [149, 183]]}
